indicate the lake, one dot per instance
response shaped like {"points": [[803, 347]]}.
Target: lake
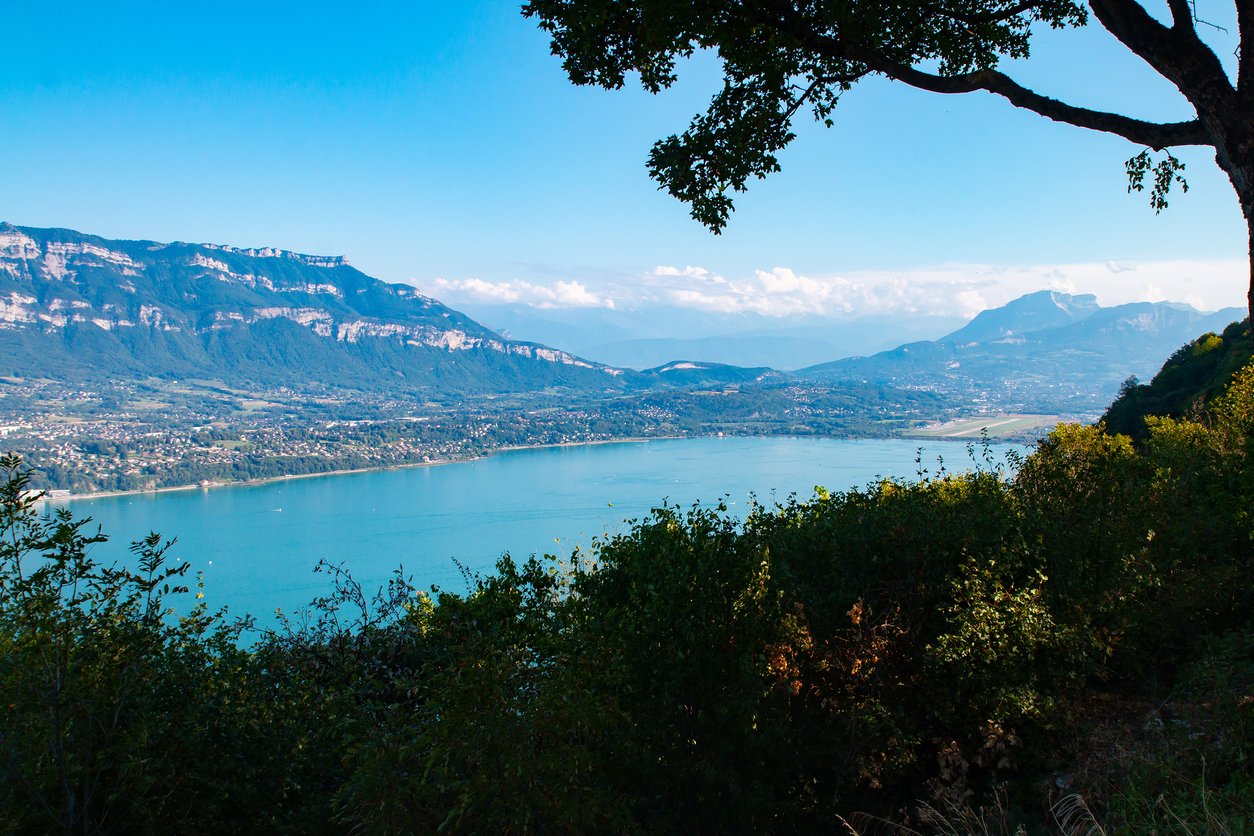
{"points": [[257, 544]]}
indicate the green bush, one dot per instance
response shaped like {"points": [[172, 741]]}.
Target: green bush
{"points": [[906, 650]]}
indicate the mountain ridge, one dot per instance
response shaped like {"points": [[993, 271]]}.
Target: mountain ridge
{"points": [[89, 306], [1070, 360], [1024, 315]]}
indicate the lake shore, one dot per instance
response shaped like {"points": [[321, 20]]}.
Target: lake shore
{"points": [[1005, 428], [346, 471]]}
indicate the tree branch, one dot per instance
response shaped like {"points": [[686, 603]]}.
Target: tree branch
{"points": [[1245, 54], [994, 17], [1136, 29], [1154, 134], [1177, 53], [1181, 14]]}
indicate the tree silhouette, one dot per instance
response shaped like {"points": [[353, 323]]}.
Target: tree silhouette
{"points": [[782, 57]]}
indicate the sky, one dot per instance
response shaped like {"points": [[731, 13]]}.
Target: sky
{"points": [[441, 144]]}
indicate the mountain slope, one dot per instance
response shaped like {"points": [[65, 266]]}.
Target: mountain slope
{"points": [[1192, 377], [685, 373], [78, 307], [1033, 312], [777, 351]]}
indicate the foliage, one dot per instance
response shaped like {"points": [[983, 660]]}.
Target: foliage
{"points": [[1166, 174], [103, 688], [1194, 375], [1189, 772], [920, 653], [778, 60]]}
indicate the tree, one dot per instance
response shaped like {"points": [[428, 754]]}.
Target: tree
{"points": [[115, 713], [782, 57]]}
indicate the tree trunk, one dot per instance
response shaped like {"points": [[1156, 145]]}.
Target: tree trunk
{"points": [[1248, 208]]}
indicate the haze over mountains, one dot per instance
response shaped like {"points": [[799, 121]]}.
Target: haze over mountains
{"points": [[646, 337], [79, 307]]}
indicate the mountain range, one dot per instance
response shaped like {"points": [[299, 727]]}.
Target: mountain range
{"points": [[1043, 352], [76, 307], [80, 307]]}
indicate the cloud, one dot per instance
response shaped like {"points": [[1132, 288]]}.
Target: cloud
{"points": [[948, 290], [945, 290], [778, 292], [688, 272], [558, 294], [970, 301]]}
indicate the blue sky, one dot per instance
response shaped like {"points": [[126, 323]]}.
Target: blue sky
{"points": [[440, 143]]}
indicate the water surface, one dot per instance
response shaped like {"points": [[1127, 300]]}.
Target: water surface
{"points": [[257, 544]]}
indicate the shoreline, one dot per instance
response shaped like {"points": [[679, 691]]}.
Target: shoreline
{"points": [[266, 480], [918, 434]]}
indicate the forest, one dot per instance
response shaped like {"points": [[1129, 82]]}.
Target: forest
{"points": [[1058, 643]]}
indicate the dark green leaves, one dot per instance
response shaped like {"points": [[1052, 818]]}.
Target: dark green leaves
{"points": [[777, 58], [1166, 174], [737, 139]]}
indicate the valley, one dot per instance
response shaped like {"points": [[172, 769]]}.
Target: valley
{"points": [[152, 434], [138, 365]]}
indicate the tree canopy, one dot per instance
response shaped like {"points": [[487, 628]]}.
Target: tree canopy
{"points": [[784, 58]]}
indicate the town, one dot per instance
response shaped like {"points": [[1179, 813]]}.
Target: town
{"points": [[131, 436]]}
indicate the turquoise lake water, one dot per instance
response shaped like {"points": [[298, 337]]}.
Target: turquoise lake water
{"points": [[257, 544]]}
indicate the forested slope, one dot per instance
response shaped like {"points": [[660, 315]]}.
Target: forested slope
{"points": [[1193, 376]]}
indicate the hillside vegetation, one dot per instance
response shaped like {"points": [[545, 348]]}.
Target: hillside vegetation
{"points": [[1067, 645], [1191, 378]]}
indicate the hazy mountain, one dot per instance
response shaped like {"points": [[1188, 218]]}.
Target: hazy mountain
{"points": [[79, 307], [683, 373], [652, 336], [1046, 351], [776, 351], [1033, 312], [75, 306]]}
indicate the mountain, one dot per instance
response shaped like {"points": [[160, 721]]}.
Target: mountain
{"points": [[775, 351], [1044, 352], [656, 334], [1033, 312], [79, 307], [686, 373]]}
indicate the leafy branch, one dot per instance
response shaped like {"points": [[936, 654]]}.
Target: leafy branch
{"points": [[1166, 174]]}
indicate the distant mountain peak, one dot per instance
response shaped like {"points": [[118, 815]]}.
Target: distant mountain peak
{"points": [[1026, 314], [1046, 351]]}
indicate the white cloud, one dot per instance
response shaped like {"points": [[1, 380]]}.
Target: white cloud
{"points": [[950, 290], [559, 294], [689, 272], [946, 290], [970, 301]]}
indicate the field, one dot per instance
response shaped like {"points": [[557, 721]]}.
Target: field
{"points": [[997, 426]]}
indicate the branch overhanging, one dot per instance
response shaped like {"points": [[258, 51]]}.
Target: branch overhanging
{"points": [[1155, 135]]}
